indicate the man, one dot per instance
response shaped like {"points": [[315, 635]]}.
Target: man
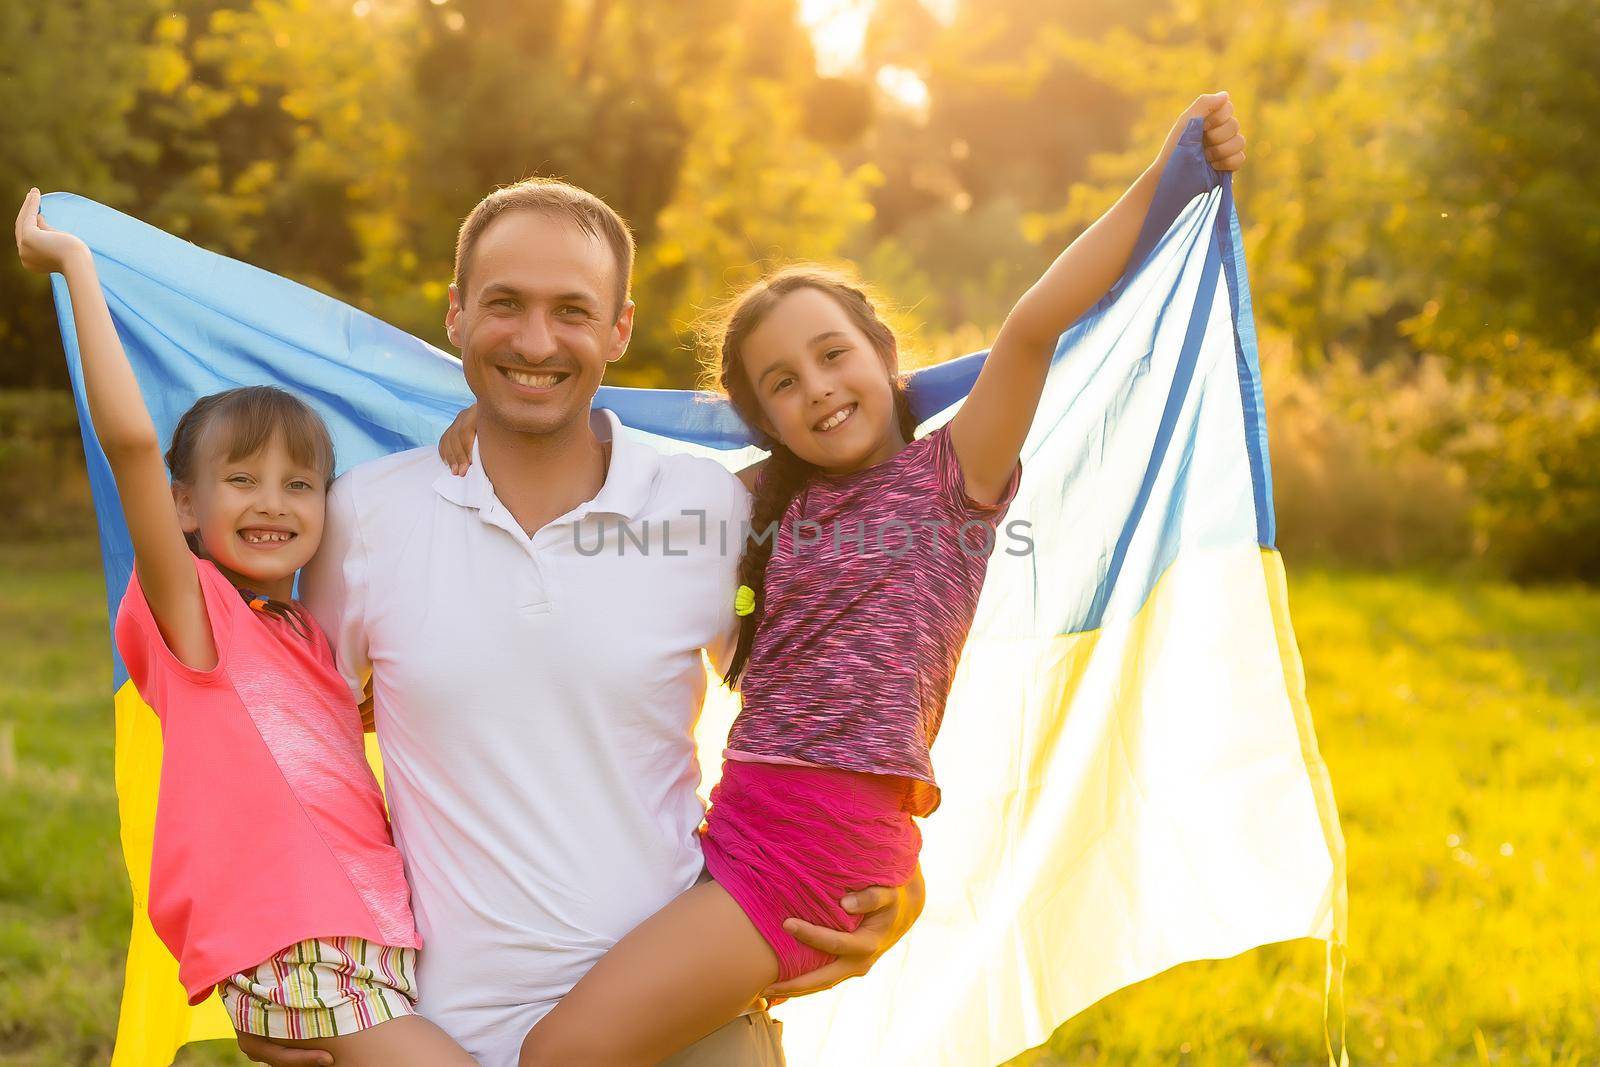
{"points": [[533, 632]]}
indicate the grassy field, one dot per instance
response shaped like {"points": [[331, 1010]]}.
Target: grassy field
{"points": [[1461, 721]]}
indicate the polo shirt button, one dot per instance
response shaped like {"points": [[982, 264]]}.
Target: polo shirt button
{"points": [[532, 598]]}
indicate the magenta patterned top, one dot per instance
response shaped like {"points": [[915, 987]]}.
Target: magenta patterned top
{"points": [[870, 594]]}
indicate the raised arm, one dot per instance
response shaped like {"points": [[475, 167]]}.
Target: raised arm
{"points": [[989, 430], [128, 436]]}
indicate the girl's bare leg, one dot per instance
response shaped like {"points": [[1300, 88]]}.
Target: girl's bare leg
{"points": [[409, 1041], [686, 971]]}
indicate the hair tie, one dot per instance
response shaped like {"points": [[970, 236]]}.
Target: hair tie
{"points": [[744, 601]]}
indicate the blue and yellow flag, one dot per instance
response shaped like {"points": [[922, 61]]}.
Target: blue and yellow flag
{"points": [[1131, 776]]}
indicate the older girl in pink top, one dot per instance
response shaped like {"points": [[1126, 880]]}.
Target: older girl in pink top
{"points": [[273, 875], [855, 614]]}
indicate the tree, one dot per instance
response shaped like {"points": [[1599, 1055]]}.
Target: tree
{"points": [[62, 133], [753, 192], [1511, 232], [1420, 183]]}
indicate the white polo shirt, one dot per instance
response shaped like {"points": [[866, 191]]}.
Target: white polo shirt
{"points": [[535, 702]]}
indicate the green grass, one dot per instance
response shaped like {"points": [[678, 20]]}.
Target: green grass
{"points": [[1461, 722], [1460, 719]]}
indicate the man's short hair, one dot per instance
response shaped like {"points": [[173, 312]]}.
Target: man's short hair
{"points": [[561, 200]]}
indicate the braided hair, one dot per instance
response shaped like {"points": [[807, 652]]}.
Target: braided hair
{"points": [[785, 474]]}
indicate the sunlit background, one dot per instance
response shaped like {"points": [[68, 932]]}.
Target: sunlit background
{"points": [[1423, 225]]}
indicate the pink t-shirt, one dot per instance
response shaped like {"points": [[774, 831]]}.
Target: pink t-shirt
{"points": [[870, 593], [270, 828]]}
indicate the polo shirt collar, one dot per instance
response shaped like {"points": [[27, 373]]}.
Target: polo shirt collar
{"points": [[630, 475]]}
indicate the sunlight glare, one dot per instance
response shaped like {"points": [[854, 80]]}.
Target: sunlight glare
{"points": [[904, 87], [838, 31]]}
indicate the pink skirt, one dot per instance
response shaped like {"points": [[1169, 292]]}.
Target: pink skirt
{"points": [[790, 841]]}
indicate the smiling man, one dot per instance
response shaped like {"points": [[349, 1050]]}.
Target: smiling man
{"points": [[535, 702]]}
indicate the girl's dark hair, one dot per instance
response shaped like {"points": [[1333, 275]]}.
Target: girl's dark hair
{"points": [[786, 474], [244, 420]]}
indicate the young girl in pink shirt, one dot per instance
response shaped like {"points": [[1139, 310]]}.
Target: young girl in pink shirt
{"points": [[273, 876], [855, 610]]}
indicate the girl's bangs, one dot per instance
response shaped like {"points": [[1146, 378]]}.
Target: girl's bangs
{"points": [[247, 422]]}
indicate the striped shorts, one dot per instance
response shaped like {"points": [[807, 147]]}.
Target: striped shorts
{"points": [[327, 987]]}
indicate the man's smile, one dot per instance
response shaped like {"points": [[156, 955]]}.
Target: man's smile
{"points": [[533, 381]]}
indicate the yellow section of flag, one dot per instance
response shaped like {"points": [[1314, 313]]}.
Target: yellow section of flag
{"points": [[156, 1019]]}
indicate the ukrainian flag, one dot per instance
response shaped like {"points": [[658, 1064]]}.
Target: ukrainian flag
{"points": [[1131, 776]]}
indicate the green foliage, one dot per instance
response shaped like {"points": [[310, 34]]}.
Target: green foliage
{"points": [[1361, 472], [268, 136], [498, 92], [1509, 158], [42, 478], [1316, 86], [63, 67], [1536, 473], [752, 192], [1410, 464], [1420, 185]]}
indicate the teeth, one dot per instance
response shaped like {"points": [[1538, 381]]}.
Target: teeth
{"points": [[257, 537], [533, 381], [837, 417]]}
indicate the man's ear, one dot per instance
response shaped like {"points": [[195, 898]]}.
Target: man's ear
{"points": [[622, 332], [452, 314]]}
